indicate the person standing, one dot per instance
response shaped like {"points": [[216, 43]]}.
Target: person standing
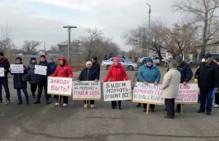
{"points": [[116, 73], [4, 64], [32, 76], [63, 70], [88, 74], [207, 80], [96, 66], [20, 83], [149, 73], [42, 81], [186, 74], [216, 93], [170, 87], [52, 66]]}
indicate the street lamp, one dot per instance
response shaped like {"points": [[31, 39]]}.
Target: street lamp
{"points": [[149, 25]]}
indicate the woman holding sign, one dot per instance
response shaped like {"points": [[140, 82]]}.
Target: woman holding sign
{"points": [[116, 73], [149, 73], [63, 70], [88, 74], [170, 87], [20, 83]]}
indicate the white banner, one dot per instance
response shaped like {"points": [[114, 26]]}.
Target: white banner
{"points": [[59, 86], [86, 90], [119, 90], [17, 68], [2, 72], [40, 70]]}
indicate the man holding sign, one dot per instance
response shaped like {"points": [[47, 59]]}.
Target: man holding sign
{"points": [[149, 73], [63, 70], [116, 73]]}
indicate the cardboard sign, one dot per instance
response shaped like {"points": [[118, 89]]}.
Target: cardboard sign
{"points": [[119, 90], [40, 70], [150, 93], [17, 68], [59, 86], [2, 72], [188, 94], [86, 90]]}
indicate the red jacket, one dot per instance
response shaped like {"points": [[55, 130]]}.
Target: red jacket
{"points": [[64, 70], [116, 73]]}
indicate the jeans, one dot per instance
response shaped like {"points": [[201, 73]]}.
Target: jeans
{"points": [[4, 82], [206, 100], [20, 97]]}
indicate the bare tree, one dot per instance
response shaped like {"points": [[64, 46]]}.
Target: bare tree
{"points": [[202, 13], [29, 47]]}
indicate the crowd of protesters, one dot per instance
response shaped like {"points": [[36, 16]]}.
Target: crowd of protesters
{"points": [[179, 72]]}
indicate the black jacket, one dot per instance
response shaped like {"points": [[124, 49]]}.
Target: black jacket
{"points": [[96, 68], [4, 63], [41, 78], [208, 76], [18, 80], [87, 75], [186, 72]]}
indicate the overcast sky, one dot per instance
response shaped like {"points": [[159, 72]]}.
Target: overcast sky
{"points": [[43, 20]]}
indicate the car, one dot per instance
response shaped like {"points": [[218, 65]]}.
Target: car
{"points": [[155, 60], [129, 65]]}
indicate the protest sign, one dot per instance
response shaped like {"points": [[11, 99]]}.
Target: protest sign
{"points": [[86, 90], [150, 93], [119, 90], [40, 70], [59, 86], [187, 94], [2, 72], [17, 68]]}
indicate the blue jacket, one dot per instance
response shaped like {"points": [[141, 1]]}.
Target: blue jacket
{"points": [[150, 75]]}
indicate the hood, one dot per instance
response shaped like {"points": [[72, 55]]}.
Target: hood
{"points": [[32, 58], [63, 59]]}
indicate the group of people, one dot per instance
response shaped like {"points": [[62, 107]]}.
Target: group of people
{"points": [[179, 72]]}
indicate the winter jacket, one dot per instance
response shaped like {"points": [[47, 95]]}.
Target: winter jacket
{"points": [[116, 73], [149, 74], [88, 74], [170, 85], [4, 63], [186, 72], [63, 71], [52, 67], [19, 83], [41, 78], [96, 68], [30, 69], [208, 76]]}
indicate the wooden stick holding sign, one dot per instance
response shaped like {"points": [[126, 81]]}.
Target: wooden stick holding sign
{"points": [[147, 111], [181, 108]]}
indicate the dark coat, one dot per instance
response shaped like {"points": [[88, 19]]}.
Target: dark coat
{"points": [[4, 63], [18, 81], [208, 76], [30, 69], [41, 78], [52, 67], [87, 75], [186, 72], [96, 68]]}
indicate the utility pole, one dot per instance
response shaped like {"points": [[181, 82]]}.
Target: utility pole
{"points": [[69, 40], [149, 25]]}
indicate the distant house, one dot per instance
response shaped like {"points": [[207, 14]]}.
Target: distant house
{"points": [[212, 47]]}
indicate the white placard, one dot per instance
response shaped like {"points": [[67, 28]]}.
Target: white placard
{"points": [[40, 70], [17, 68], [119, 90], [59, 86], [2, 72], [86, 90]]}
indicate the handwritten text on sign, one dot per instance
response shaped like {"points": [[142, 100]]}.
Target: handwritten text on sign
{"points": [[187, 94], [60, 86], [114, 91], [148, 94], [40, 70], [17, 68], [86, 90]]}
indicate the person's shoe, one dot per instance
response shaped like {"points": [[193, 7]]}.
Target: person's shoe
{"points": [[56, 104], [170, 117], [7, 102], [113, 107], [200, 111], [37, 102], [85, 106], [19, 103], [208, 113], [215, 106], [65, 105], [92, 106]]}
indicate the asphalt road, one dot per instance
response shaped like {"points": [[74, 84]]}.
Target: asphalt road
{"points": [[47, 122]]}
